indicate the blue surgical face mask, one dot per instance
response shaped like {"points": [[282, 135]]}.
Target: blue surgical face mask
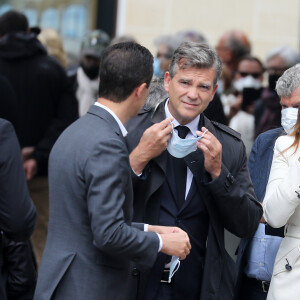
{"points": [[220, 89], [156, 68], [175, 264], [289, 117], [179, 147]]}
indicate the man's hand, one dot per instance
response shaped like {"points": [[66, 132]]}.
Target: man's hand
{"points": [[177, 244], [30, 167], [212, 151], [26, 152], [153, 142], [164, 229]]}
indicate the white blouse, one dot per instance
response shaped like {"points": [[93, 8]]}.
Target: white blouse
{"points": [[281, 202]]}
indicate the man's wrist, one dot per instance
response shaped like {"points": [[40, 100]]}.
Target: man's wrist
{"points": [[137, 162], [149, 228]]}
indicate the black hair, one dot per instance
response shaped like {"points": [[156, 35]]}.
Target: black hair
{"points": [[252, 58], [13, 21], [124, 67]]}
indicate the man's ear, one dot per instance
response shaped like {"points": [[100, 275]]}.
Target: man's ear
{"points": [[167, 80], [140, 89]]}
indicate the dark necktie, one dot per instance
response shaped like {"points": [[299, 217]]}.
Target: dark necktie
{"points": [[180, 171]]}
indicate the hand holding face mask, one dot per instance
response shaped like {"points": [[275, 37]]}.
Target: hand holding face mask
{"points": [[212, 151], [179, 147]]}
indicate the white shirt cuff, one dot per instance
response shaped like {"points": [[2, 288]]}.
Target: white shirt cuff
{"points": [[160, 239], [138, 175]]}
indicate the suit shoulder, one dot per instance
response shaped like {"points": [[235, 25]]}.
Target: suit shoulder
{"points": [[227, 130]]}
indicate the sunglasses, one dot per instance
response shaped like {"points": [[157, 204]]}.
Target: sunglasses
{"points": [[254, 75]]}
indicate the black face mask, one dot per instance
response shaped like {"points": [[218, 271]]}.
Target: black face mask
{"points": [[272, 81], [91, 72]]}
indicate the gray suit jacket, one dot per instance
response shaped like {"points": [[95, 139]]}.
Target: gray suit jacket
{"points": [[90, 238]]}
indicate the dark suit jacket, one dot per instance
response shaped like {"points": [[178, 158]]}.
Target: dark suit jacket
{"points": [[90, 241], [260, 162], [229, 199], [17, 212]]}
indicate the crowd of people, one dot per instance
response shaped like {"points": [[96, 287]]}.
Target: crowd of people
{"points": [[149, 161]]}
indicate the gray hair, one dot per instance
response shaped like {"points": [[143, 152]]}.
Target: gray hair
{"points": [[289, 56], [288, 82], [192, 35], [157, 93], [171, 41], [200, 56]]}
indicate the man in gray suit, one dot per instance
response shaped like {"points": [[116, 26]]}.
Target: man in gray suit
{"points": [[91, 239]]}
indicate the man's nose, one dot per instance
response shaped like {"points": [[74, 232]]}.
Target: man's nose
{"points": [[192, 93]]}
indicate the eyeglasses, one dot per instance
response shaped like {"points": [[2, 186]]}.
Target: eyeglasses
{"points": [[254, 75]]}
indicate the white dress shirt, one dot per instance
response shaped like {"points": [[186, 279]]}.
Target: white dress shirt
{"points": [[193, 126]]}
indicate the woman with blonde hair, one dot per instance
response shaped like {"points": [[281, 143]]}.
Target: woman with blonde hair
{"points": [[282, 200], [54, 45]]}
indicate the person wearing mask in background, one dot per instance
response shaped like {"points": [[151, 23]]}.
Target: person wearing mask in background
{"points": [[203, 186], [268, 108], [248, 85], [166, 45], [256, 254], [231, 47], [85, 79], [281, 202]]}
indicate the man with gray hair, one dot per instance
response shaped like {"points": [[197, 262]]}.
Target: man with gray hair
{"points": [[268, 109], [256, 254], [193, 182]]}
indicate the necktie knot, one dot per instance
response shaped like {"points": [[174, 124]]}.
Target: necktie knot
{"points": [[182, 131]]}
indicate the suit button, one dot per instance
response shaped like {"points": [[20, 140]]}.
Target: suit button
{"points": [[178, 220], [135, 272]]}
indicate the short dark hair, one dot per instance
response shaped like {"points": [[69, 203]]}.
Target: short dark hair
{"points": [[124, 67], [13, 21]]}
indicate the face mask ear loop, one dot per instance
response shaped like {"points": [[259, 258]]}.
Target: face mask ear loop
{"points": [[174, 271]]}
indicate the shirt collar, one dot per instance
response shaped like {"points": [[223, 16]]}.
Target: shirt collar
{"points": [[122, 127], [193, 125]]}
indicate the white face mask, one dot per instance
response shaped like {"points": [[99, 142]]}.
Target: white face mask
{"points": [[179, 147], [246, 82], [175, 264], [289, 118]]}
